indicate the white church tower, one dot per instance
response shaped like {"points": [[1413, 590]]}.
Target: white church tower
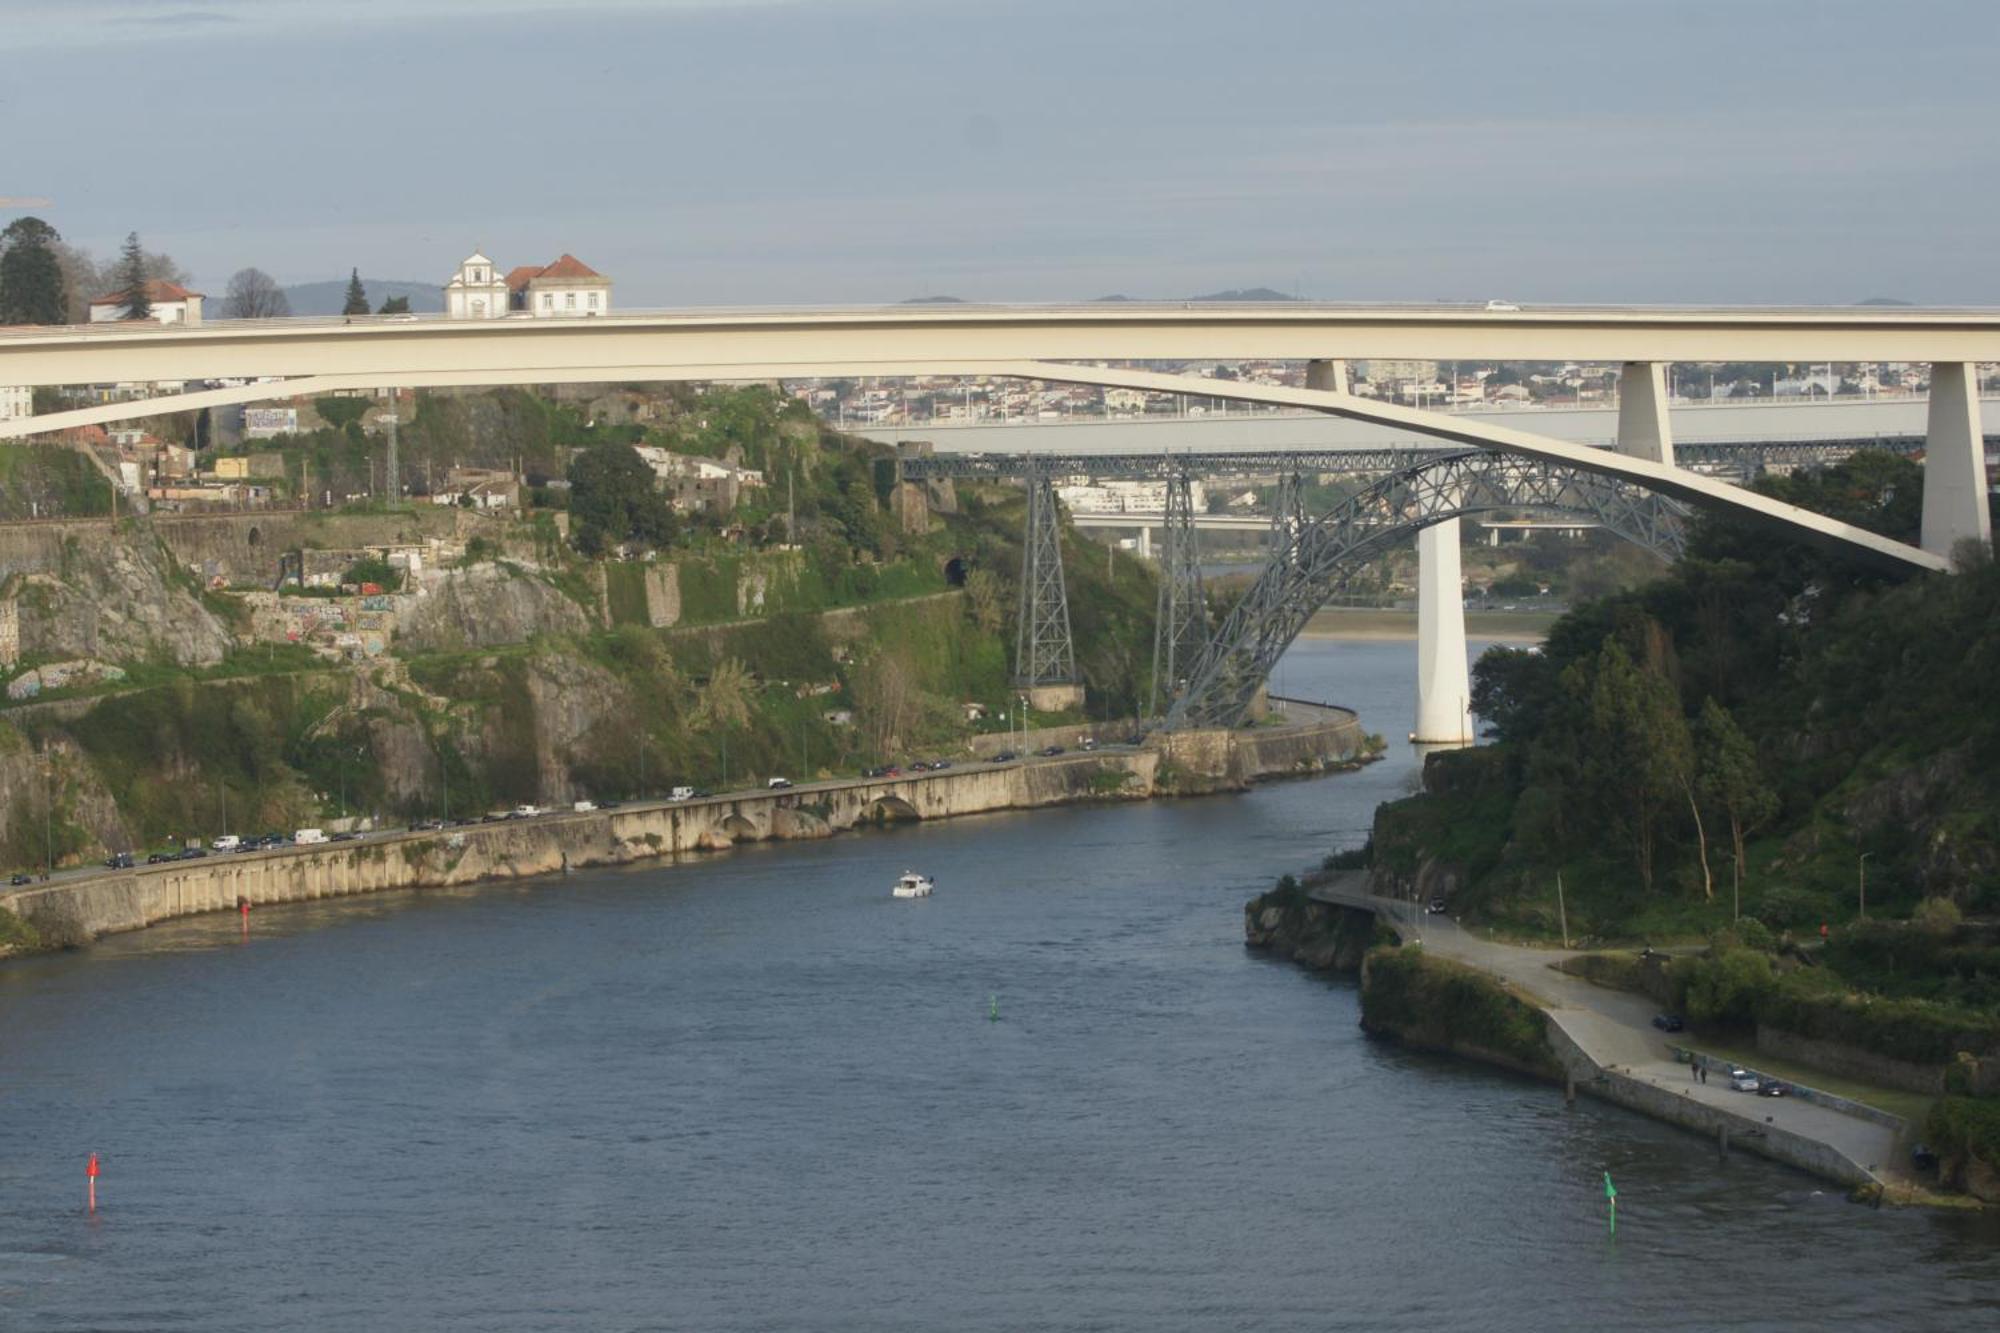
{"points": [[475, 292]]}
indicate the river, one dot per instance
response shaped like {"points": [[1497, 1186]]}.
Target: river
{"points": [[752, 1092]]}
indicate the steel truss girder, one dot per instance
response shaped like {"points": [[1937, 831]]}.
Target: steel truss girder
{"points": [[1043, 650], [1752, 456], [1180, 626], [1316, 558]]}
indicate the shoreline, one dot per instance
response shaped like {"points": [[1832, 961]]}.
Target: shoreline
{"points": [[1377, 625], [1600, 1043], [76, 912]]}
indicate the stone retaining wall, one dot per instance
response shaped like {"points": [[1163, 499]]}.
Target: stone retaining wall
{"points": [[78, 911]]}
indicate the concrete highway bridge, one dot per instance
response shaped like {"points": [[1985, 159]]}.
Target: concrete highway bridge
{"points": [[1633, 478]]}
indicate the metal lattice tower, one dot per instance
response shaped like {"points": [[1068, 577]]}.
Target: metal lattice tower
{"points": [[1309, 564], [1180, 628], [1043, 652], [1288, 511]]}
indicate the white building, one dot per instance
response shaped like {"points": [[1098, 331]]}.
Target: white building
{"points": [[16, 400], [475, 291], [171, 302], [1126, 497], [566, 289]]}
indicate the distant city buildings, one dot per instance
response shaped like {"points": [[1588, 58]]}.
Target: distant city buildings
{"points": [[565, 289], [16, 400]]}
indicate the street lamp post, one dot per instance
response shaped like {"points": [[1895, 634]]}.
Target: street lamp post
{"points": [[1861, 883]]}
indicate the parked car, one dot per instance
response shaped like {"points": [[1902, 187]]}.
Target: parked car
{"points": [[921, 766], [308, 836], [228, 842], [880, 771], [584, 807], [778, 784], [609, 805], [21, 877], [1050, 751], [157, 858], [681, 794], [1771, 1087], [349, 836], [1742, 1080], [524, 812], [1668, 1022], [1435, 907], [1922, 1158], [940, 765], [1005, 757], [1088, 743], [193, 853], [119, 861]]}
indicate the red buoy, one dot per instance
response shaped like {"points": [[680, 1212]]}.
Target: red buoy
{"points": [[90, 1175]]}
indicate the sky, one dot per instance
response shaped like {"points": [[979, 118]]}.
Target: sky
{"points": [[767, 152]]}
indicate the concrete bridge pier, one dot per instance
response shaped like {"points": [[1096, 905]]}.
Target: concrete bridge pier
{"points": [[1954, 462], [1643, 427], [1444, 683]]}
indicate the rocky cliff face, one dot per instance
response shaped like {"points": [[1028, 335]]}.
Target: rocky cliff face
{"points": [[483, 606], [1318, 935], [117, 601]]}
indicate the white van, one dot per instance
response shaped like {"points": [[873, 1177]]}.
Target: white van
{"points": [[681, 794], [524, 812], [228, 842], [584, 807], [309, 835]]}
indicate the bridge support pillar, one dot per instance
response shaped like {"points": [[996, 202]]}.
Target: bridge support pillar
{"points": [[1180, 627], [1329, 376], [1954, 462], [1444, 686], [1643, 427], [1044, 655]]}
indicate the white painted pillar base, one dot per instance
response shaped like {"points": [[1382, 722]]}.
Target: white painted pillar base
{"points": [[1444, 684], [1954, 462], [1643, 427]]}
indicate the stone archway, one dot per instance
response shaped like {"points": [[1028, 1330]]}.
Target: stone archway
{"points": [[890, 810]]}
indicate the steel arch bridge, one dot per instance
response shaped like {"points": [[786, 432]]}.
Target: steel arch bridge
{"points": [[1313, 557]]}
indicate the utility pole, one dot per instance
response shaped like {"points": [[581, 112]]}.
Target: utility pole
{"points": [[48, 809], [1562, 912], [391, 420], [1862, 882]]}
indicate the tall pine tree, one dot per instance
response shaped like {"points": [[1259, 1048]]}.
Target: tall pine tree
{"points": [[357, 295], [134, 303], [32, 290]]}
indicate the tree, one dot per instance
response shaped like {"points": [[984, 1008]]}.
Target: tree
{"points": [[613, 499], [986, 600], [1731, 779], [357, 295], [395, 305], [133, 301], [1637, 747], [32, 290], [725, 700], [254, 294]]}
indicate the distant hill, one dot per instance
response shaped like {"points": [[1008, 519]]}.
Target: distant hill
{"points": [[1252, 294], [1882, 300], [933, 300], [326, 298]]}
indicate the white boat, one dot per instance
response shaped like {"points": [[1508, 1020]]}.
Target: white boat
{"points": [[913, 885]]}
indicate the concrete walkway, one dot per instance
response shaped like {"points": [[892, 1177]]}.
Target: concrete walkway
{"points": [[1615, 1028]]}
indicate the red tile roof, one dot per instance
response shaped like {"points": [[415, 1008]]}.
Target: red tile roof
{"points": [[157, 289], [518, 278], [569, 266]]}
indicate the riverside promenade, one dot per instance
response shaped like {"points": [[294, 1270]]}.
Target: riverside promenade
{"points": [[1606, 1041]]}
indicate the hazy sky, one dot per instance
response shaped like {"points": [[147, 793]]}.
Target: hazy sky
{"points": [[766, 151]]}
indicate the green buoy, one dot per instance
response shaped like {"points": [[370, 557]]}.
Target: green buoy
{"points": [[993, 1008]]}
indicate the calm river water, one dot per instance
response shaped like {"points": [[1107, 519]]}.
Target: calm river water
{"points": [[755, 1093]]}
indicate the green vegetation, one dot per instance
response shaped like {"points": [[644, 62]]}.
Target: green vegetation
{"points": [[1751, 735], [45, 480], [1435, 1002], [16, 935], [32, 290]]}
